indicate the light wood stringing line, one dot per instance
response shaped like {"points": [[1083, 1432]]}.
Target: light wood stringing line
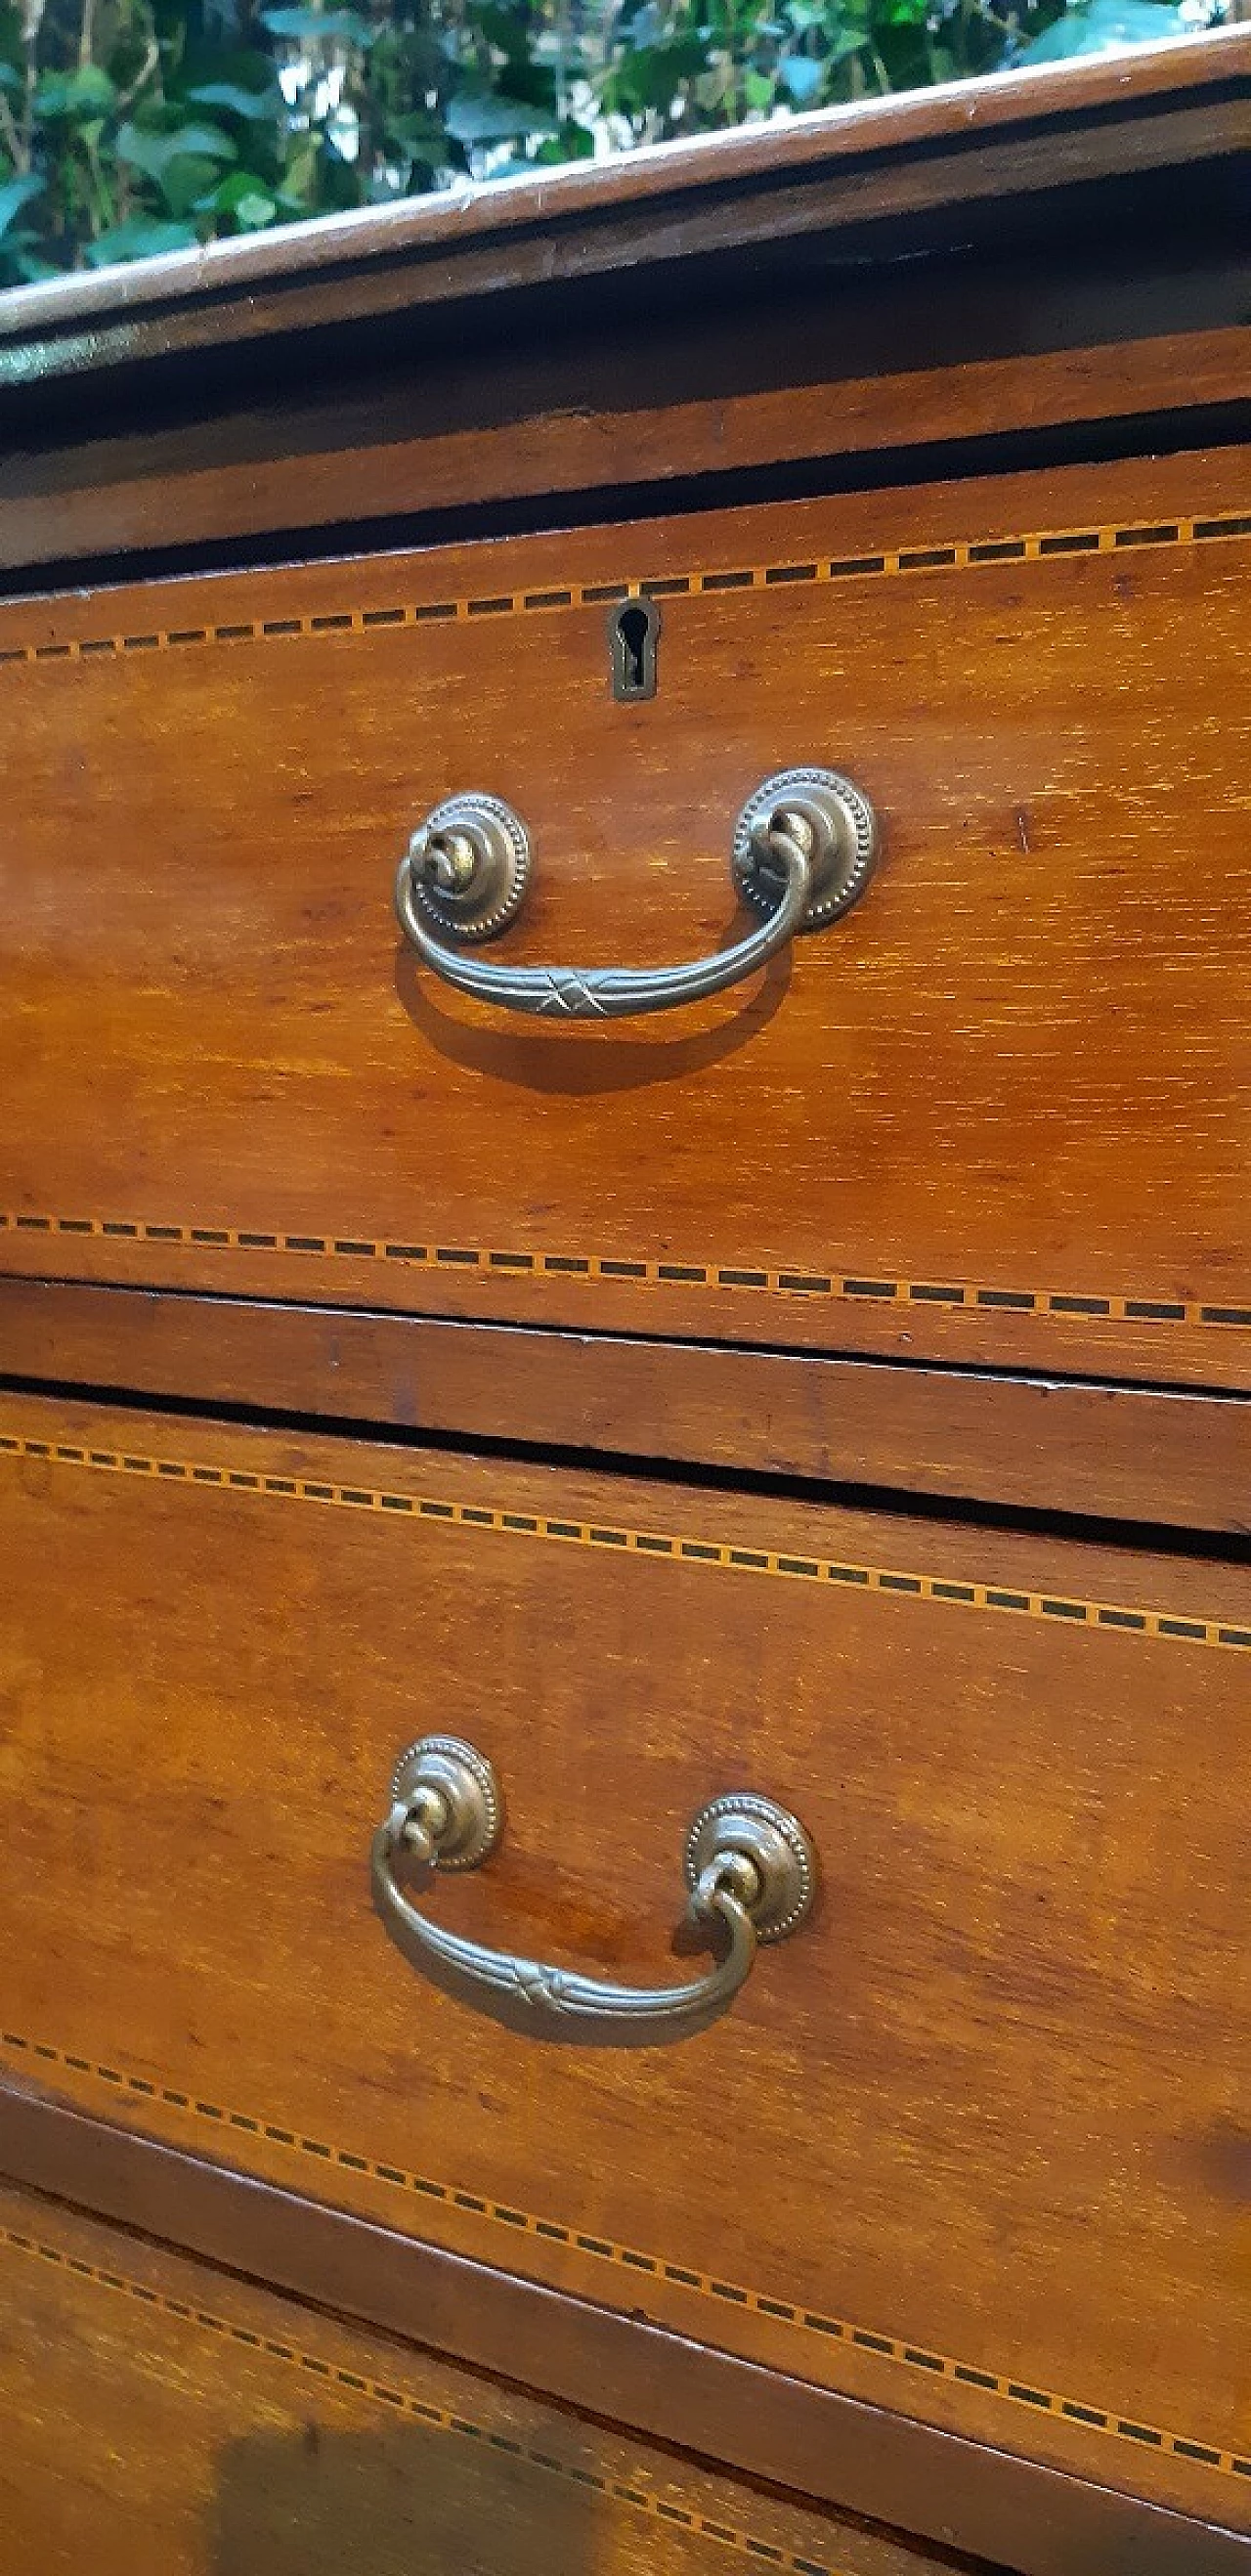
{"points": [[1057, 1305], [1119, 1618]]}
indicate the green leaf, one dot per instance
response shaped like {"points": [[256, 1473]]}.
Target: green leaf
{"points": [[258, 107], [1103, 27], [185, 181], [422, 127], [652, 75], [420, 139], [299, 179], [506, 29], [81, 94], [340, 183], [573, 143], [245, 198], [533, 85], [485, 116], [15, 194], [255, 211], [154, 154], [844, 47], [321, 26], [141, 237]]}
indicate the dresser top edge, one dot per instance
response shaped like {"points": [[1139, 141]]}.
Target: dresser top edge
{"points": [[845, 179]]}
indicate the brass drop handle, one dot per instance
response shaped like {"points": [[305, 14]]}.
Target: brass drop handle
{"points": [[750, 1872], [804, 847]]}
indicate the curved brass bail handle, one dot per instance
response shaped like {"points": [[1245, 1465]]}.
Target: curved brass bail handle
{"points": [[603, 2010], [804, 847], [749, 1868], [611, 992]]}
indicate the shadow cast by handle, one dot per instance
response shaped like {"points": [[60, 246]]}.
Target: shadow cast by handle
{"points": [[563, 1058], [528, 2012]]}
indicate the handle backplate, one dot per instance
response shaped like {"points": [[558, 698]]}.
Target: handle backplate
{"points": [[756, 1829], [830, 817], [444, 1772], [468, 866]]}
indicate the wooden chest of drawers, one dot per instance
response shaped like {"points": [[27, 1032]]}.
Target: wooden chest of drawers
{"points": [[626, 1654]]}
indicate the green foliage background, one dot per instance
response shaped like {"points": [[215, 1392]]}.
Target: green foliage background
{"points": [[129, 127]]}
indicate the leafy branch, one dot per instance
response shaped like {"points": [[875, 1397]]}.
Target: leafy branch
{"points": [[129, 127]]}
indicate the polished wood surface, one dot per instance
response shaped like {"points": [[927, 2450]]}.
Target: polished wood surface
{"points": [[923, 1265], [875, 2463], [161, 2419], [1113, 1453], [943, 152], [1001, 1112], [1018, 2025], [1117, 1453], [839, 385]]}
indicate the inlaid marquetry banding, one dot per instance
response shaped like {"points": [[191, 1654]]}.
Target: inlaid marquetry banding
{"points": [[966, 555], [1057, 1305], [403, 2401], [896, 2349], [1117, 1618]]}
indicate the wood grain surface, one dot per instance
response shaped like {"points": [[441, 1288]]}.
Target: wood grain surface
{"points": [[162, 2419], [872, 2464], [972, 2146], [1113, 1453], [947, 2220], [953, 362], [869, 2462], [1002, 1110]]}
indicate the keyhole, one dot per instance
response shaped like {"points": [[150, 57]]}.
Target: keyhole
{"points": [[632, 632], [635, 638]]}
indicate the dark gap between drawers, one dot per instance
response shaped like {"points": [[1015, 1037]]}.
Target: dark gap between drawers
{"points": [[680, 1475], [1124, 439]]}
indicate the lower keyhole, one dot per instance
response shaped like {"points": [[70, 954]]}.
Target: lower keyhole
{"points": [[632, 633]]}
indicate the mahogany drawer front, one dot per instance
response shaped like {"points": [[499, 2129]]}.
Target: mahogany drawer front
{"points": [[968, 2145], [163, 2419], [1000, 1111]]}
